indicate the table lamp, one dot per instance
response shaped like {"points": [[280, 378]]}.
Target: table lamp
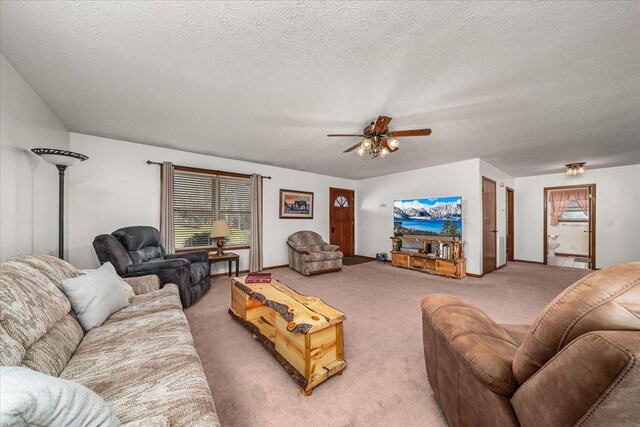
{"points": [[220, 230]]}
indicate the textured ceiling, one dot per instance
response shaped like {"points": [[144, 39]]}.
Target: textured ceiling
{"points": [[527, 86]]}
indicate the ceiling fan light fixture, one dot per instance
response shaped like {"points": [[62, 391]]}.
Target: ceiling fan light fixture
{"points": [[366, 143], [360, 151], [393, 143], [384, 152]]}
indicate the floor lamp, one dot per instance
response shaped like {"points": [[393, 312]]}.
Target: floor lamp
{"points": [[61, 159]]}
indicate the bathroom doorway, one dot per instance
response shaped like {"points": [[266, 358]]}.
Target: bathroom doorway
{"points": [[569, 226]]}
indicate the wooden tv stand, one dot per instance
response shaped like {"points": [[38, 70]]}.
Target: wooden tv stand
{"points": [[436, 255]]}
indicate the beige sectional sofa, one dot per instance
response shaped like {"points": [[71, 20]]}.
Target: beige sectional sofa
{"points": [[141, 361]]}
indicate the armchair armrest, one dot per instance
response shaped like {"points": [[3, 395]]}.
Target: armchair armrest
{"points": [[299, 249], [143, 284], [595, 380], [476, 341], [154, 266], [330, 248], [195, 256]]}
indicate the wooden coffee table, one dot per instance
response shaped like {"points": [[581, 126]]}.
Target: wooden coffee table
{"points": [[303, 333]]}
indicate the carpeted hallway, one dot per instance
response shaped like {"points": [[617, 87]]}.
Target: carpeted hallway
{"points": [[385, 382]]}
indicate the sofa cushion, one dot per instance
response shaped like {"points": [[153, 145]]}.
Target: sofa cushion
{"points": [[53, 268], [483, 346], [137, 237], [166, 298], [143, 367], [29, 398], [306, 238], [322, 256], [33, 306], [109, 249], [51, 353], [143, 284], [604, 300], [198, 271]]}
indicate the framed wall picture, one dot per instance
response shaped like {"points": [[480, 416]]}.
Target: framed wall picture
{"points": [[296, 204]]}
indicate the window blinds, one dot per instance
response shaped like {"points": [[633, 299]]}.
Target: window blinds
{"points": [[201, 198]]}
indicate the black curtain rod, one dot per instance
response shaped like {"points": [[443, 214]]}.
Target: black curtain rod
{"points": [[149, 162]]}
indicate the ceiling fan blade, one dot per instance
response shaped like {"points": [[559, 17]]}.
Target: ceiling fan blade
{"points": [[350, 149], [415, 132], [346, 134], [381, 124], [385, 143]]}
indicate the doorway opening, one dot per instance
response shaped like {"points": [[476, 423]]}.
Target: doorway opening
{"points": [[341, 220], [569, 237], [489, 226]]}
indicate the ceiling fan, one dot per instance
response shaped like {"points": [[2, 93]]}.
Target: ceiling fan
{"points": [[378, 141]]}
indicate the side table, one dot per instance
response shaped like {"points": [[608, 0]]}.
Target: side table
{"points": [[227, 256]]}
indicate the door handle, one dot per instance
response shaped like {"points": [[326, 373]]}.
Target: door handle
{"points": [[333, 229], [494, 231]]}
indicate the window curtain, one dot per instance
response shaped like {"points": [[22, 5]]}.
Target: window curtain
{"points": [[167, 237], [255, 236], [559, 201], [582, 198]]}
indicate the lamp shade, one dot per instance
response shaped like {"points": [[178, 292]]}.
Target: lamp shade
{"points": [[220, 228], [60, 157]]}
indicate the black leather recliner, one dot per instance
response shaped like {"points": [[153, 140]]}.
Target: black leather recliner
{"points": [[136, 251]]}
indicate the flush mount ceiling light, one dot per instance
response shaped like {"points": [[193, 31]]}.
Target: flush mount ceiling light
{"points": [[575, 168]]}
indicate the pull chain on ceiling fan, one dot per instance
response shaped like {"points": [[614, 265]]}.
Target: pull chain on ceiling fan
{"points": [[378, 141]]}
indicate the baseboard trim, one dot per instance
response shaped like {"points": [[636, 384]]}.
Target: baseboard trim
{"points": [[366, 257], [477, 276], [241, 272], [273, 267], [529, 262], [501, 266]]}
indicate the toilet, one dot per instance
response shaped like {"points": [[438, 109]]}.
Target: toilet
{"points": [[552, 246]]}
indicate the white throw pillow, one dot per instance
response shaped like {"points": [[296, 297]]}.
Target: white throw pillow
{"points": [[127, 287], [96, 295], [30, 398]]}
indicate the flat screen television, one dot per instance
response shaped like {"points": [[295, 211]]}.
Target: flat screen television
{"points": [[441, 216]]}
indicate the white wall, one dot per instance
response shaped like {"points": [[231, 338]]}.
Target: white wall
{"points": [[116, 188], [375, 205], [617, 213], [503, 181], [28, 185]]}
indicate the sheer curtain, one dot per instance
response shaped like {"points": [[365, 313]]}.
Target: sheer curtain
{"points": [[255, 236], [559, 201], [166, 207], [581, 196]]}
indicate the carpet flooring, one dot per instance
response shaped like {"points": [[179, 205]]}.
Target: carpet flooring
{"points": [[385, 382]]}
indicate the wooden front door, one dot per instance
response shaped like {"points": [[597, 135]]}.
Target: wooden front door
{"points": [[489, 229], [341, 219], [510, 225]]}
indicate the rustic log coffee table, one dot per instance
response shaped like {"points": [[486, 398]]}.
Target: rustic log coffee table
{"points": [[303, 333]]}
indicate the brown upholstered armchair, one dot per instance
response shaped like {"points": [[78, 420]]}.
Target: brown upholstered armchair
{"points": [[577, 364], [309, 254]]}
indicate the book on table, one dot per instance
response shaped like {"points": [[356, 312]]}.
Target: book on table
{"points": [[258, 278]]}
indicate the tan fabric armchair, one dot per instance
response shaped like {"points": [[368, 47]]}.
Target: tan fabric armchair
{"points": [[309, 254], [577, 364]]}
